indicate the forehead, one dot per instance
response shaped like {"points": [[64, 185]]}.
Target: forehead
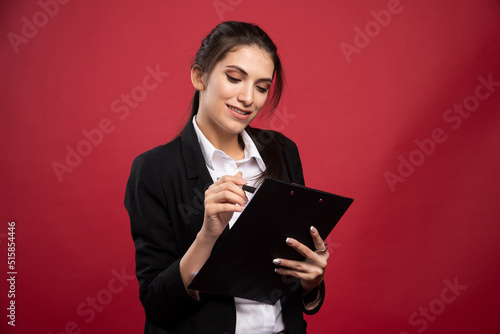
{"points": [[253, 60]]}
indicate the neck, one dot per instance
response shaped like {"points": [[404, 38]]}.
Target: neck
{"points": [[224, 141]]}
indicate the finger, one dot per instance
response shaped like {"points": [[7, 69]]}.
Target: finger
{"points": [[237, 179], [234, 183], [312, 275], [225, 183], [318, 259], [319, 244], [299, 247], [217, 208], [305, 271], [229, 189], [299, 266], [310, 265], [232, 196]]}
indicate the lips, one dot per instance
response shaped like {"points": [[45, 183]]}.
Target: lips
{"points": [[239, 113]]}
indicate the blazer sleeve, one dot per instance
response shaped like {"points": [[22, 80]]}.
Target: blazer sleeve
{"points": [[162, 292]]}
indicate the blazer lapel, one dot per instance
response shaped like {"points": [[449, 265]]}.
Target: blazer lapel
{"points": [[198, 177]]}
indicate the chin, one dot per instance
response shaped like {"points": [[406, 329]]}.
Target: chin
{"points": [[235, 128]]}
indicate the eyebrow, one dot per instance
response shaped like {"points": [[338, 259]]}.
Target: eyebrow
{"points": [[236, 67]]}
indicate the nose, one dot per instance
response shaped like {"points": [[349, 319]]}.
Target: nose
{"points": [[245, 95]]}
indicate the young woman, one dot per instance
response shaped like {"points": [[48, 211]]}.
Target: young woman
{"points": [[183, 195]]}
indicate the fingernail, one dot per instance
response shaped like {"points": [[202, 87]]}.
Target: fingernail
{"points": [[313, 229], [277, 270], [276, 261], [288, 241]]}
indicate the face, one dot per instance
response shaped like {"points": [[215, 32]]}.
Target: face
{"points": [[235, 92]]}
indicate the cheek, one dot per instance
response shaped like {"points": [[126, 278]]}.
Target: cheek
{"points": [[260, 99], [224, 89]]}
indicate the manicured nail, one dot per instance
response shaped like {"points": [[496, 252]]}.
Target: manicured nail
{"points": [[277, 270], [313, 229], [288, 241], [276, 261]]}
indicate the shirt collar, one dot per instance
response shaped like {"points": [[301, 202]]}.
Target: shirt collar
{"points": [[209, 150]]}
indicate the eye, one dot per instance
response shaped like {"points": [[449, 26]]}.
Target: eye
{"points": [[262, 89], [232, 79]]}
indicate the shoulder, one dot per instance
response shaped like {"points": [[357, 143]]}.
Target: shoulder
{"points": [[158, 158], [271, 137], [162, 152]]}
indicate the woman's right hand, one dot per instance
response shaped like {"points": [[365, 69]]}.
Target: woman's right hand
{"points": [[222, 199]]}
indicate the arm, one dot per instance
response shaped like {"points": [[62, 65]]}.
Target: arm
{"points": [[222, 199], [162, 270], [157, 256]]}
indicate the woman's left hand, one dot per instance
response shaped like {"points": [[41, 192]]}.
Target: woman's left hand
{"points": [[311, 271]]}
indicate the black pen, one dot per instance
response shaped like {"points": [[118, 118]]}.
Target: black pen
{"points": [[248, 188]]}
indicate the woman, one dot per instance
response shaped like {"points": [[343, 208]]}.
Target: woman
{"points": [[183, 195]]}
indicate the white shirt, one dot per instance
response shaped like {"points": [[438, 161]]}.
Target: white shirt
{"points": [[251, 317]]}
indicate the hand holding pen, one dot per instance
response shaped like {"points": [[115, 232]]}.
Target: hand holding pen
{"points": [[224, 197]]}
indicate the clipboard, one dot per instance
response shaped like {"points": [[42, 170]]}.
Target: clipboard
{"points": [[241, 263]]}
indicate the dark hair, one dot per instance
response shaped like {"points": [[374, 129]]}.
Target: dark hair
{"points": [[227, 37]]}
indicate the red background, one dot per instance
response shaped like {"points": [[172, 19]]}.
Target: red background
{"points": [[353, 117]]}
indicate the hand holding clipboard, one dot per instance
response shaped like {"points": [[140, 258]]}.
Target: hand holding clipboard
{"points": [[242, 263]]}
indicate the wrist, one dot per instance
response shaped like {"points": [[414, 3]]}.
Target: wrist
{"points": [[195, 257], [206, 238], [308, 294]]}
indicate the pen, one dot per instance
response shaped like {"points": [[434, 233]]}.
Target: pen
{"points": [[248, 188]]}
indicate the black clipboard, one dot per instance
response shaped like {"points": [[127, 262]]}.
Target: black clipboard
{"points": [[241, 263]]}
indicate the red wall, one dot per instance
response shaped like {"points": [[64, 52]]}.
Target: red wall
{"points": [[393, 103]]}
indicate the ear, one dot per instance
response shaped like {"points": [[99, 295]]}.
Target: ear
{"points": [[197, 78]]}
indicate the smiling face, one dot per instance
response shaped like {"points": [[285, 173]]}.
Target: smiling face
{"points": [[234, 92]]}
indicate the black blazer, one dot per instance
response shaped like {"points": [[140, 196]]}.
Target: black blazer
{"points": [[164, 199]]}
